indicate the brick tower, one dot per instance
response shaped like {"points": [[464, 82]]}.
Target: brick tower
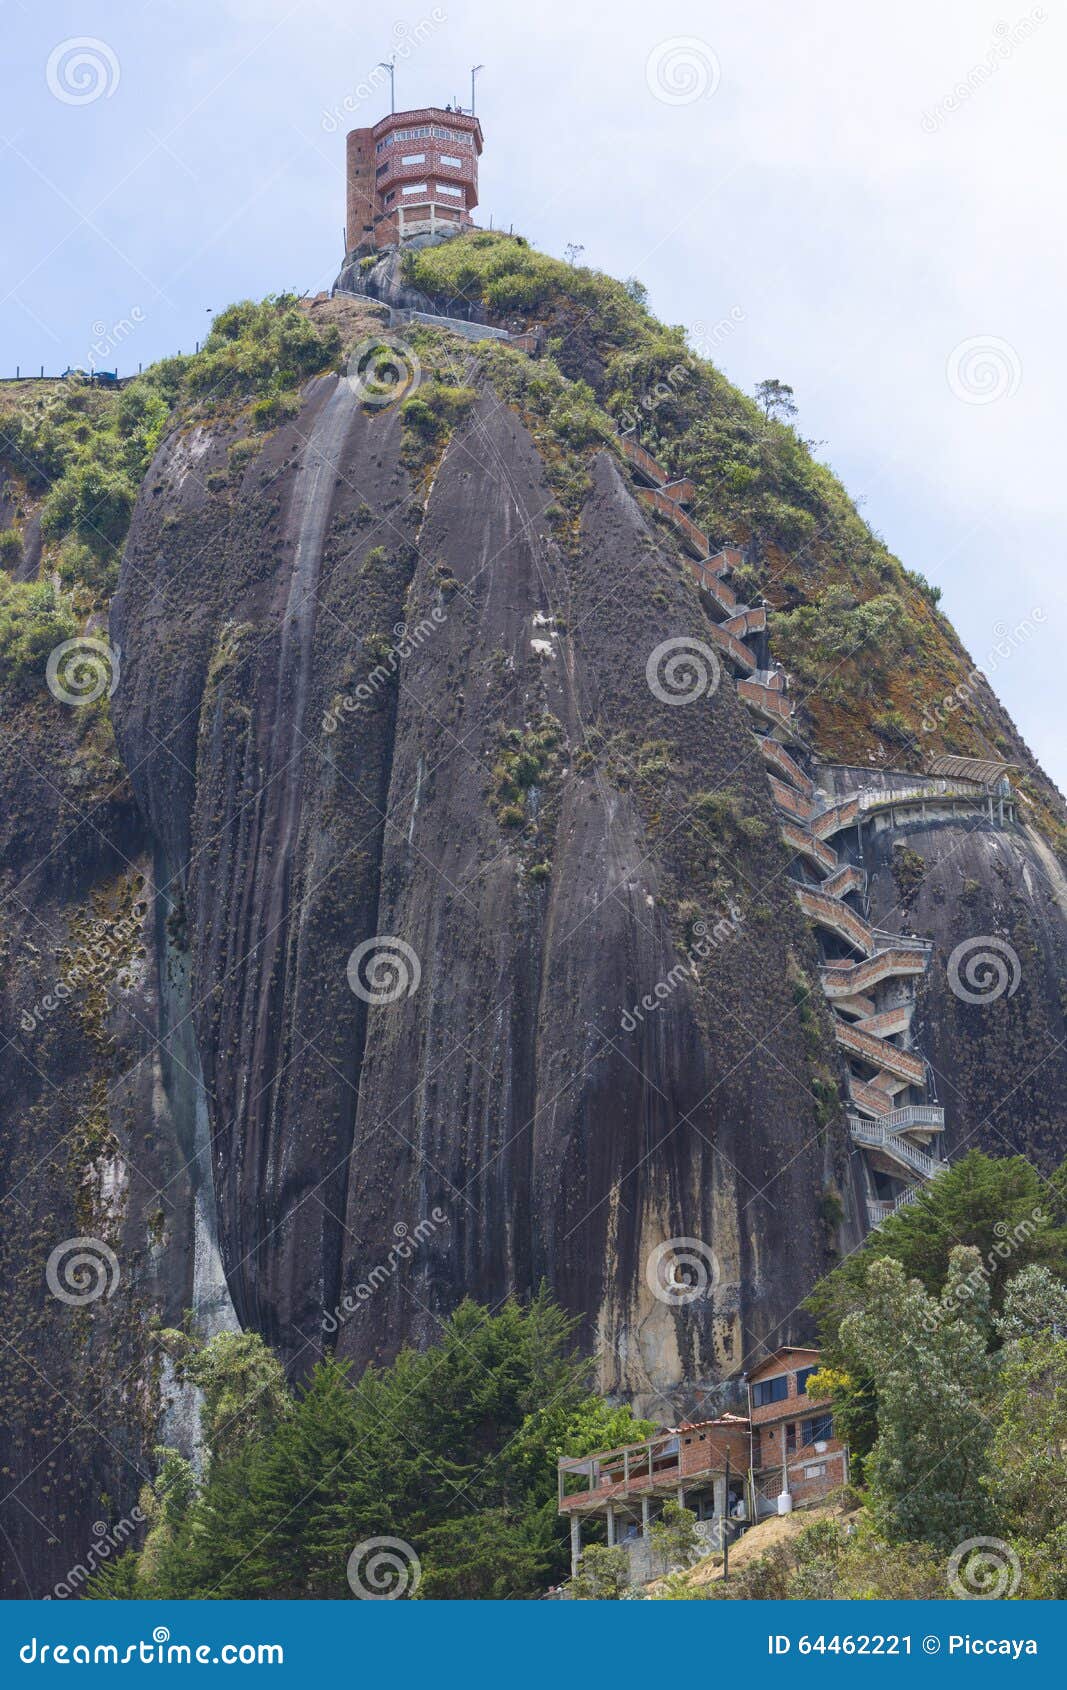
{"points": [[414, 173]]}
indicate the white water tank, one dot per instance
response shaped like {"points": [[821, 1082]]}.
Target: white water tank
{"points": [[785, 1502]]}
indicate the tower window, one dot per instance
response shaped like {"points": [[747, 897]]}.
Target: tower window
{"points": [[447, 188], [413, 158], [451, 163]]}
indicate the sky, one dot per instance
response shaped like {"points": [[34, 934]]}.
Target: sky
{"points": [[863, 201]]}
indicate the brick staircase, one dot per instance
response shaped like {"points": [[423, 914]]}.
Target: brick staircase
{"points": [[872, 994], [897, 1141], [740, 622]]}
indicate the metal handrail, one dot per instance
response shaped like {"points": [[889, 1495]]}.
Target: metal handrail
{"points": [[874, 1134]]}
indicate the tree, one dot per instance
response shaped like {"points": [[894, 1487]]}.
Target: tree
{"points": [[243, 1382], [164, 1504], [1030, 1474], [602, 1574], [1035, 1303], [999, 1205], [452, 1449], [491, 1556], [572, 252], [928, 1358], [854, 1406], [675, 1537], [776, 398]]}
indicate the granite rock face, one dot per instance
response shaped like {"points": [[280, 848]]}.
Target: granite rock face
{"points": [[503, 1093], [443, 955]]}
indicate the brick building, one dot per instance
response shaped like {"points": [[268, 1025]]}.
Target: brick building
{"points": [[731, 1471], [795, 1454], [700, 1464], [413, 173]]}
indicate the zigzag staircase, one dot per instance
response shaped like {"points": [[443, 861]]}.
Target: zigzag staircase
{"points": [[868, 976]]}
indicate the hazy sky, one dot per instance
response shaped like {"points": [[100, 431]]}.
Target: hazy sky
{"points": [[871, 195]]}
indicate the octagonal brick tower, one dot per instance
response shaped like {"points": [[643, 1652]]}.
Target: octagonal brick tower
{"points": [[413, 173]]}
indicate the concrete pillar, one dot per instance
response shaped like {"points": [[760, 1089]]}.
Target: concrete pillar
{"points": [[576, 1544], [719, 1494], [681, 1496], [611, 1524], [644, 1516]]}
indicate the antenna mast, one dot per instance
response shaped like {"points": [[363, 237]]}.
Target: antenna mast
{"points": [[390, 66], [474, 71]]}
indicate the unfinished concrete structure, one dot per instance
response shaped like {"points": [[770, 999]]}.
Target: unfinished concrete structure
{"points": [[702, 1465]]}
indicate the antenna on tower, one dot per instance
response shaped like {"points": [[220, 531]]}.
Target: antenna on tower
{"points": [[474, 71], [390, 66]]}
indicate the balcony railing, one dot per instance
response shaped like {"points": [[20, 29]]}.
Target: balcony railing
{"points": [[709, 583], [873, 1135], [691, 535], [848, 878], [611, 1471], [748, 619], [643, 462]]}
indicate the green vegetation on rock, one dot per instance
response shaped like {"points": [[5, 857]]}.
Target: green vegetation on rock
{"points": [[862, 634], [32, 622], [452, 1449]]}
